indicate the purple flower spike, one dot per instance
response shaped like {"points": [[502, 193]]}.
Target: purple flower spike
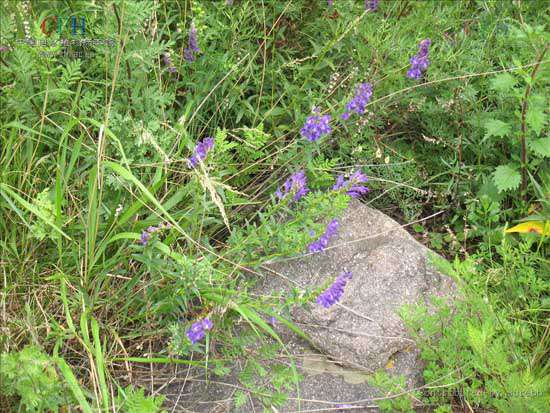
{"points": [[333, 294], [371, 5], [168, 63], [322, 242], [192, 45], [201, 150], [296, 184], [197, 331], [145, 237], [316, 126], [353, 186], [420, 61], [359, 102]]}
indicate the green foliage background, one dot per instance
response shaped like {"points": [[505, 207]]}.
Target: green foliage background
{"points": [[93, 151]]}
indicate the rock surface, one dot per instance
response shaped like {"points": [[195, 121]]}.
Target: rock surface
{"points": [[351, 340], [390, 269]]}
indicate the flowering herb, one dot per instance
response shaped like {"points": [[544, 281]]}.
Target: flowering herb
{"points": [[316, 126], [168, 63], [192, 45], [197, 331], [147, 233], [330, 3], [200, 152], [353, 186], [322, 242], [359, 102], [371, 5], [296, 184], [420, 61], [333, 294]]}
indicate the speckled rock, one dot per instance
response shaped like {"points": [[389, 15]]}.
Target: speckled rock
{"points": [[349, 341], [390, 269]]}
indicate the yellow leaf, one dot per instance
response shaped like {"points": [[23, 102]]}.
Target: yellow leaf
{"points": [[389, 364], [538, 227]]}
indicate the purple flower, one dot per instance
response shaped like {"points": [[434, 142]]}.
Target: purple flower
{"points": [[359, 102], [272, 320], [420, 61], [229, 2], [201, 150], [322, 242], [330, 3], [193, 46], [333, 294], [197, 330], [353, 185], [316, 126], [145, 237], [371, 5], [296, 184], [3, 48], [146, 234], [168, 63]]}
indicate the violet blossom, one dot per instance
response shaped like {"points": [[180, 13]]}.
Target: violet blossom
{"points": [[200, 152], [316, 126], [322, 242], [371, 5], [197, 330], [333, 294], [296, 184], [359, 102], [193, 47], [353, 186], [168, 63], [420, 61], [147, 233]]}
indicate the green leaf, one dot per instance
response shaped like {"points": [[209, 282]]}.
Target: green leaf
{"points": [[506, 178], [503, 82], [74, 386], [496, 127], [536, 119], [540, 146]]}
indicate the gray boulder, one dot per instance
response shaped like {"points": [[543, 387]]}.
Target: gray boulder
{"points": [[350, 340], [390, 269]]}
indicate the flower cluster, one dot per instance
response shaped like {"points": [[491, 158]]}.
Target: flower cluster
{"points": [[200, 152], [147, 233], [296, 184], [359, 102], [330, 3], [371, 5], [316, 126], [193, 46], [168, 63], [353, 185], [322, 242], [420, 61], [333, 294], [197, 331]]}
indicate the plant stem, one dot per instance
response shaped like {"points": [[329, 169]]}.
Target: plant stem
{"points": [[524, 106]]}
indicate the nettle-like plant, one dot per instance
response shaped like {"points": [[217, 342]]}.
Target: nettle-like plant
{"points": [[519, 120]]}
